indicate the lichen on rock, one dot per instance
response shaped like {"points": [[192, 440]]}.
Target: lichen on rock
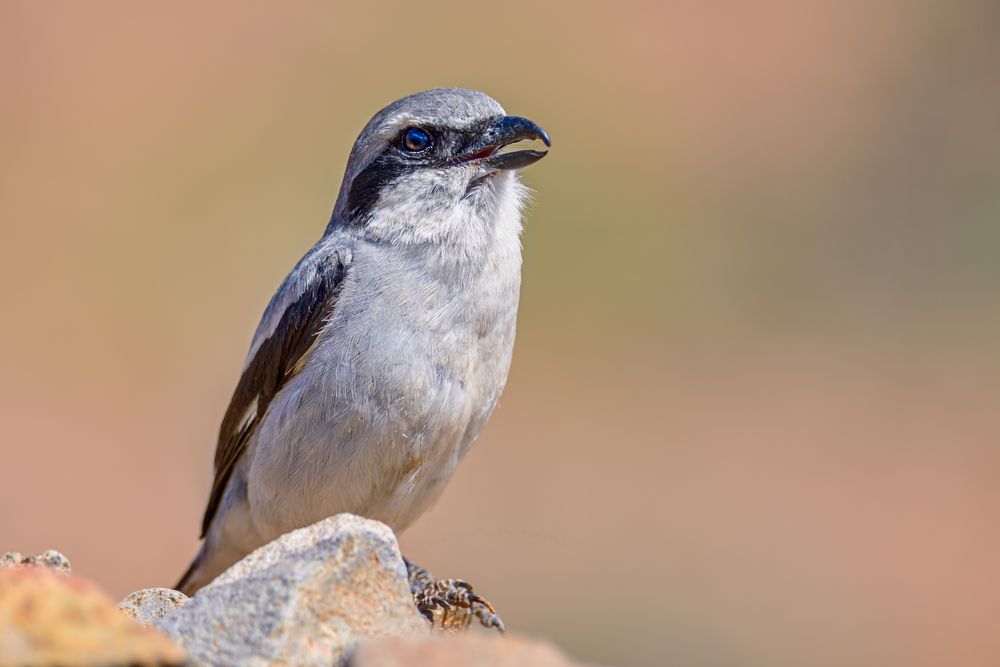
{"points": [[50, 618]]}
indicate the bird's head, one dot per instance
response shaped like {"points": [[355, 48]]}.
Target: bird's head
{"points": [[432, 168]]}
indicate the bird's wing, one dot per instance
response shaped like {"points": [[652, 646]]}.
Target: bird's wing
{"points": [[287, 331]]}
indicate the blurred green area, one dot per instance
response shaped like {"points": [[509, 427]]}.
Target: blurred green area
{"points": [[752, 415]]}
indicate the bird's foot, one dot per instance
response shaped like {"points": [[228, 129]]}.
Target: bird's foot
{"points": [[450, 604]]}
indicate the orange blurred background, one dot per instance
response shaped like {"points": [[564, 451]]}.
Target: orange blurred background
{"points": [[752, 417]]}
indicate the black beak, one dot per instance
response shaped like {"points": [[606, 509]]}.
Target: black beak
{"points": [[502, 132]]}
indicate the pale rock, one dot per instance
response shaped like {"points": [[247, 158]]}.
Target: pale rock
{"points": [[307, 598], [151, 604]]}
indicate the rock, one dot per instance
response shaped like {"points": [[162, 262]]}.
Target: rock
{"points": [[469, 650], [306, 598], [48, 618], [51, 559], [151, 604], [11, 559]]}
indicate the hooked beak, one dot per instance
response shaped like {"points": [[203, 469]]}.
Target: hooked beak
{"points": [[504, 131]]}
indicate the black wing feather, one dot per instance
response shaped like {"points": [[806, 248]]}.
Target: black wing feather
{"points": [[272, 365]]}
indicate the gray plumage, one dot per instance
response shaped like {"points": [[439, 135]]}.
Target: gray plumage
{"points": [[384, 351]]}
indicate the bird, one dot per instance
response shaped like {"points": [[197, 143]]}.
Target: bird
{"points": [[384, 351]]}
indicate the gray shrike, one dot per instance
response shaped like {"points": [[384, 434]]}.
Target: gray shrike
{"points": [[383, 353]]}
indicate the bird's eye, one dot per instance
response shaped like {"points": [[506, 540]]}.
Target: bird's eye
{"points": [[415, 140]]}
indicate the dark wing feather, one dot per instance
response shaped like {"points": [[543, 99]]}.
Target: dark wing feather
{"points": [[274, 362]]}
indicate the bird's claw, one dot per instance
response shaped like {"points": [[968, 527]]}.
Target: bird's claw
{"points": [[450, 604]]}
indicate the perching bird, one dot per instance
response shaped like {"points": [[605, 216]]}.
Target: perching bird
{"points": [[384, 351]]}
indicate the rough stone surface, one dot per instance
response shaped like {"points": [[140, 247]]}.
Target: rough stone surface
{"points": [[459, 651], [11, 559], [306, 598], [49, 618], [151, 604], [51, 559]]}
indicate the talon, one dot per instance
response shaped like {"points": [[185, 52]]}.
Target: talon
{"points": [[491, 621], [476, 598], [450, 604]]}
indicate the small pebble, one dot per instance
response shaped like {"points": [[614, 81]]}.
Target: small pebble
{"points": [[50, 559]]}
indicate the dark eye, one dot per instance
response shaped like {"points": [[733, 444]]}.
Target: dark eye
{"points": [[415, 140]]}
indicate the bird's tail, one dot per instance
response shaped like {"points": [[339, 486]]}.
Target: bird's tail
{"points": [[205, 567], [193, 578], [184, 585]]}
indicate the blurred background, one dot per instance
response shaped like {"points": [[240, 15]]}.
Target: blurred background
{"points": [[753, 412]]}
